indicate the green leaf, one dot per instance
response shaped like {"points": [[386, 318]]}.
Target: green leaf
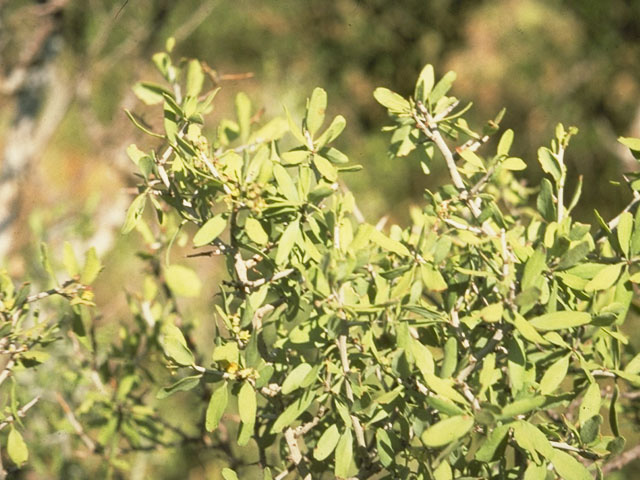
{"points": [[386, 452], [533, 269], [631, 143], [513, 163], [216, 407], [326, 168], [522, 406], [528, 331], [549, 163], [247, 403], [228, 474], [183, 281], [195, 79], [590, 429], [134, 213], [444, 387], [211, 229], [505, 143], [560, 320], [471, 157], [545, 201], [183, 385], [285, 185], [69, 260], [492, 444], [392, 101], [295, 378], [295, 157], [344, 455], [326, 443], [568, 467], [442, 87], [336, 156], [139, 123], [243, 113], [425, 83], [272, 130], [605, 278], [633, 367], [227, 352], [255, 231], [443, 472], [316, 108], [574, 255], [446, 431], [92, 267], [174, 345], [387, 243], [531, 439], [292, 412], [150, 93], [450, 358], [17, 448], [332, 132], [613, 412], [286, 242], [432, 279], [535, 472], [625, 227], [294, 129], [590, 405], [554, 375]]}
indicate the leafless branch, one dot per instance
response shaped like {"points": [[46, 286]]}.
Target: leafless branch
{"points": [[90, 444]]}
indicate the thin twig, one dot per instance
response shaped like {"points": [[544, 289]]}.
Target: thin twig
{"points": [[77, 426], [21, 413], [344, 358]]}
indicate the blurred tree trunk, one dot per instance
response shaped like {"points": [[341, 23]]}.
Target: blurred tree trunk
{"points": [[42, 99]]}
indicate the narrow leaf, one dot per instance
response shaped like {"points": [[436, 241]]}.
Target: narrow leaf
{"points": [[287, 240], [560, 320], [392, 101], [344, 454], [255, 231], [211, 229], [446, 431], [316, 108], [625, 227], [326, 443], [247, 403], [295, 378], [554, 375], [216, 407], [17, 448], [183, 281]]}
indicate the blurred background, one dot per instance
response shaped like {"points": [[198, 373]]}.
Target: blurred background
{"points": [[67, 67]]}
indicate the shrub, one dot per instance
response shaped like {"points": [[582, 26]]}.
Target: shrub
{"points": [[483, 340]]}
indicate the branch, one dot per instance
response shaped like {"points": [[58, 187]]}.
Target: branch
{"points": [[344, 358], [90, 444], [435, 136], [295, 454], [624, 459], [21, 413], [430, 129]]}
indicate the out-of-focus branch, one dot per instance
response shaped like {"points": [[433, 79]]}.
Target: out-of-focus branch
{"points": [[621, 461], [90, 444]]}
